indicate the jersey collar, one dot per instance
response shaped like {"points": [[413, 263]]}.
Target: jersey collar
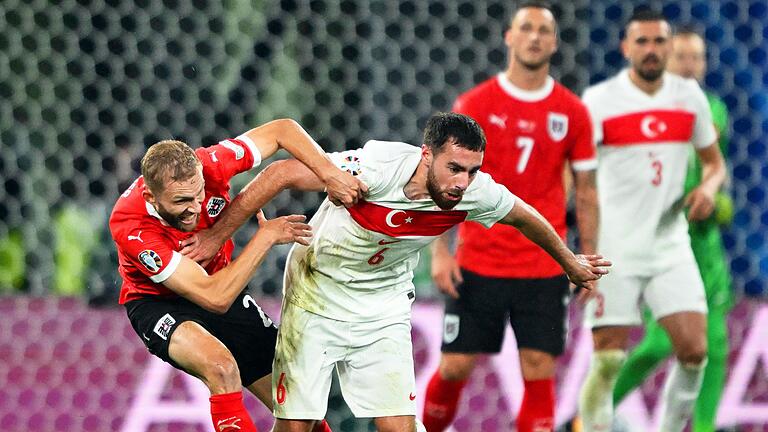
{"points": [[153, 212], [525, 95]]}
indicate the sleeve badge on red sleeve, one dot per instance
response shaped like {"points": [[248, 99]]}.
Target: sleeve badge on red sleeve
{"points": [[151, 260], [351, 164]]}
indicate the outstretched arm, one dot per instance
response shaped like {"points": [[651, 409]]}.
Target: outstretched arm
{"points": [[582, 270], [216, 292], [342, 187]]}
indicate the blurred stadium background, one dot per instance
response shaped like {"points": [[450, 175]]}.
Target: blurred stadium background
{"points": [[86, 86]]}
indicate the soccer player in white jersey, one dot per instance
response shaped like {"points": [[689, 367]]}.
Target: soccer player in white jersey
{"points": [[644, 122], [348, 294]]}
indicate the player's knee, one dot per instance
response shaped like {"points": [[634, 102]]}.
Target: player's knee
{"points": [[694, 352], [456, 367], [537, 362], [221, 372]]}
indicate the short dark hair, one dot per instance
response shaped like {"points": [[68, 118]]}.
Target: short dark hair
{"points": [[645, 14], [168, 159], [688, 30], [538, 4], [457, 128]]}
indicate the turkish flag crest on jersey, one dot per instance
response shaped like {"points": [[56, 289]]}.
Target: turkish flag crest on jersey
{"points": [[400, 223]]}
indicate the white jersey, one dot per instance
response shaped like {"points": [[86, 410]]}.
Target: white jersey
{"points": [[643, 148], [359, 264]]}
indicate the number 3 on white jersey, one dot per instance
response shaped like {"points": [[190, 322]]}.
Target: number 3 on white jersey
{"points": [[526, 144]]}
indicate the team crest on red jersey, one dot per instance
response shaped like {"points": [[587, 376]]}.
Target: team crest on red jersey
{"points": [[215, 206], [151, 260], [557, 125]]}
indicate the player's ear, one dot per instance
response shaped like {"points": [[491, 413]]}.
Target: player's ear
{"points": [[148, 196], [426, 154], [625, 48]]}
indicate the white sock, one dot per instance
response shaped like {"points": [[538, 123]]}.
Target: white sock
{"points": [[680, 393], [596, 399]]}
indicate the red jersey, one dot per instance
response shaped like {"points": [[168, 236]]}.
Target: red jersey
{"points": [[530, 134], [147, 246]]}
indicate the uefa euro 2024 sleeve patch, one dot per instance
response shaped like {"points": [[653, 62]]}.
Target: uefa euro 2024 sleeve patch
{"points": [[151, 260], [351, 164]]}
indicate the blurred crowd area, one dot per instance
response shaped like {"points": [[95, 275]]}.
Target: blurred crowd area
{"points": [[86, 86]]}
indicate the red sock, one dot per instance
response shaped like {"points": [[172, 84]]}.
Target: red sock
{"points": [[229, 415], [442, 398], [537, 413], [322, 427]]}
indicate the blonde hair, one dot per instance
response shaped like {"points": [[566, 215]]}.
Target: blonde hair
{"points": [[168, 160]]}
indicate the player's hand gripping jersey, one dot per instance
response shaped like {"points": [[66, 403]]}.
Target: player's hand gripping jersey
{"points": [[359, 265], [643, 144], [531, 134], [148, 247]]}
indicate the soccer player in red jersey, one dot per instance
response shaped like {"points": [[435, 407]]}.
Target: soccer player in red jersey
{"points": [[535, 128], [200, 319]]}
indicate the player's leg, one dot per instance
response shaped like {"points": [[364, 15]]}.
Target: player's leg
{"points": [[176, 331], [705, 410], [473, 323], [395, 424], [308, 347], [538, 318], [652, 349], [676, 298], [610, 316], [377, 377]]}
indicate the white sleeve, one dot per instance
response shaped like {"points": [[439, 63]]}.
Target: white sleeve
{"points": [[704, 133], [589, 98], [361, 164], [494, 203]]}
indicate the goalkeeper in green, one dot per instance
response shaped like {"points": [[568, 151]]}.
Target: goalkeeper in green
{"points": [[688, 60]]}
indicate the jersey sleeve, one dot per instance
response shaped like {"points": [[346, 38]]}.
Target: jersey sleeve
{"points": [[582, 152], [589, 98], [494, 203], [704, 133], [150, 252], [363, 163], [229, 157]]}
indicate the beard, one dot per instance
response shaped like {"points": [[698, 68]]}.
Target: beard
{"points": [[437, 195], [175, 220], [650, 74]]}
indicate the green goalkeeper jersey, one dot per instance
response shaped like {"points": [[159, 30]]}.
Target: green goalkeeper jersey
{"points": [[706, 241]]}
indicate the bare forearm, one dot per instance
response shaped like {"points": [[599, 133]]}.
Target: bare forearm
{"points": [[537, 229], [227, 283], [712, 168], [587, 212], [440, 245], [217, 292], [289, 135]]}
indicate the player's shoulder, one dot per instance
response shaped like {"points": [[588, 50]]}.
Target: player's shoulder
{"points": [[600, 89], [480, 92], [565, 97], [686, 85], [389, 151]]}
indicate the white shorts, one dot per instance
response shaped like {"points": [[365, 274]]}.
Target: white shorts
{"points": [[678, 289], [374, 362]]}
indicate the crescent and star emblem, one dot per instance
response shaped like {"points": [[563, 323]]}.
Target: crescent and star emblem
{"points": [[651, 127], [392, 214]]}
